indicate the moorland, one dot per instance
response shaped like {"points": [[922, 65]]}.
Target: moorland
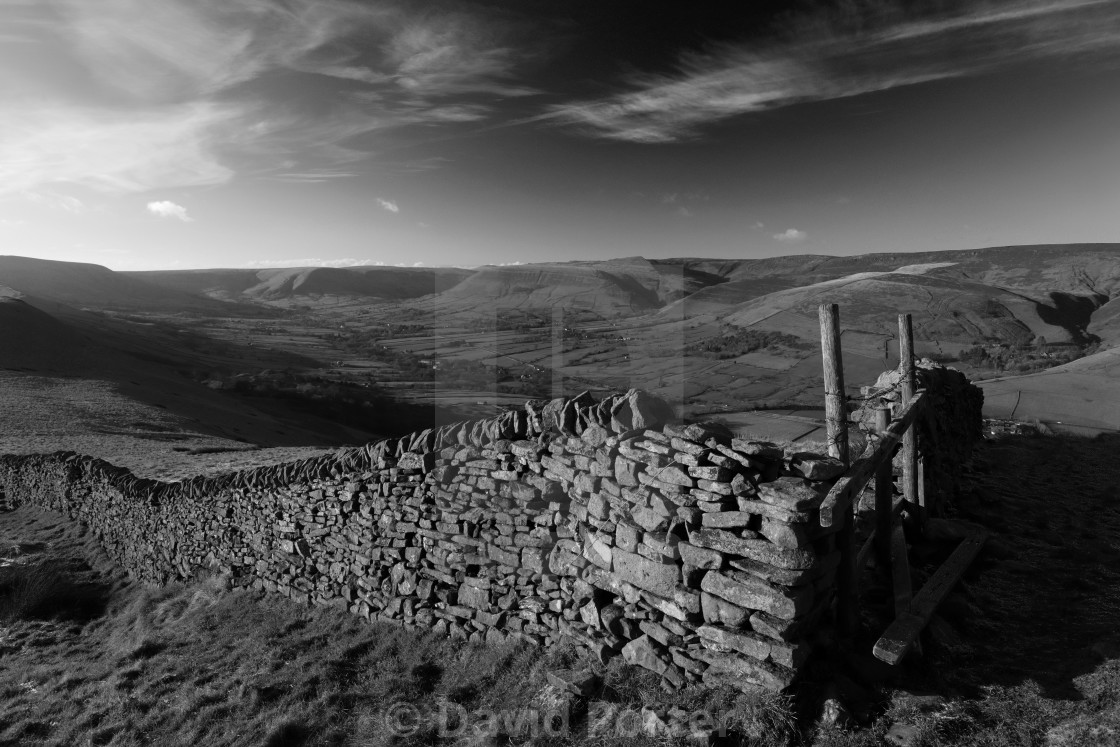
{"points": [[177, 373]]}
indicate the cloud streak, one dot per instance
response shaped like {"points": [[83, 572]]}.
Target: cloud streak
{"points": [[828, 63], [389, 205], [171, 93], [312, 262]]}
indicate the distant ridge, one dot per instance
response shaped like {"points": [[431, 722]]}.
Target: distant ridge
{"points": [[81, 284], [373, 282]]}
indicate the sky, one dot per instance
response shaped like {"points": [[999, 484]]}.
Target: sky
{"points": [[176, 134]]}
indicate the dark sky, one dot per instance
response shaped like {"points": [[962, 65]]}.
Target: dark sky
{"points": [[197, 133]]}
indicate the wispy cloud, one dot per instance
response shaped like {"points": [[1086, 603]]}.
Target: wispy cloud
{"points": [[828, 60], [313, 262], [389, 205], [50, 199], [169, 209], [183, 92], [790, 236]]}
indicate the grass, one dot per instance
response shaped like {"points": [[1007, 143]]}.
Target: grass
{"points": [[197, 664]]}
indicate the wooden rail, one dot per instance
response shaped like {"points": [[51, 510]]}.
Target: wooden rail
{"points": [[853, 483]]}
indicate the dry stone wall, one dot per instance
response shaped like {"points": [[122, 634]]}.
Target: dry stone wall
{"points": [[686, 551], [950, 426]]}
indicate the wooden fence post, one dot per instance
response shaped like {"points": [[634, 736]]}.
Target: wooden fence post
{"points": [[836, 419], [910, 440], [835, 407]]}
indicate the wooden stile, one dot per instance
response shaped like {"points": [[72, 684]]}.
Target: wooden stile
{"points": [[852, 483], [887, 539]]}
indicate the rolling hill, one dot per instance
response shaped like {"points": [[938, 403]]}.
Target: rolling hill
{"points": [[374, 282], [82, 285]]}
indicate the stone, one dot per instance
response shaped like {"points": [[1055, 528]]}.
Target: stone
{"points": [[658, 578], [762, 550], [726, 520], [660, 634], [720, 611], [764, 450], [701, 557], [649, 519], [784, 535], [581, 682], [815, 466], [791, 493], [471, 596], [755, 594], [902, 734], [743, 672], [645, 652], [743, 641]]}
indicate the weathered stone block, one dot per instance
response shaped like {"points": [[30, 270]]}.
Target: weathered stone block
{"points": [[755, 594], [658, 578]]}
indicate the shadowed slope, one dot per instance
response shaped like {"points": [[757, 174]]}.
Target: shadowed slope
{"points": [[387, 283], [87, 285]]}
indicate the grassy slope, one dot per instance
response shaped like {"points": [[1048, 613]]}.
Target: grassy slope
{"points": [[1026, 649], [197, 665]]}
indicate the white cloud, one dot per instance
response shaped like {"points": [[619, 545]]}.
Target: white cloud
{"points": [[790, 236], [10, 223], [827, 62], [168, 209], [389, 205]]}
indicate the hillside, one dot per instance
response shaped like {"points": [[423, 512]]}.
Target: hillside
{"points": [[382, 283], [93, 286], [1072, 397]]}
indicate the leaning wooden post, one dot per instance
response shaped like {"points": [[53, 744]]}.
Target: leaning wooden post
{"points": [[836, 420], [910, 439], [884, 499], [835, 408]]}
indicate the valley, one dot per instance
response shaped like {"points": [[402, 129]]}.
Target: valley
{"points": [[323, 357]]}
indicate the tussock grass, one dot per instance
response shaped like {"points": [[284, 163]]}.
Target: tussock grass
{"points": [[42, 590]]}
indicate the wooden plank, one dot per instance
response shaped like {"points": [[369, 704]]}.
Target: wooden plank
{"points": [[869, 540], [900, 637], [835, 403], [900, 571], [910, 439], [884, 495], [856, 479], [847, 578]]}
